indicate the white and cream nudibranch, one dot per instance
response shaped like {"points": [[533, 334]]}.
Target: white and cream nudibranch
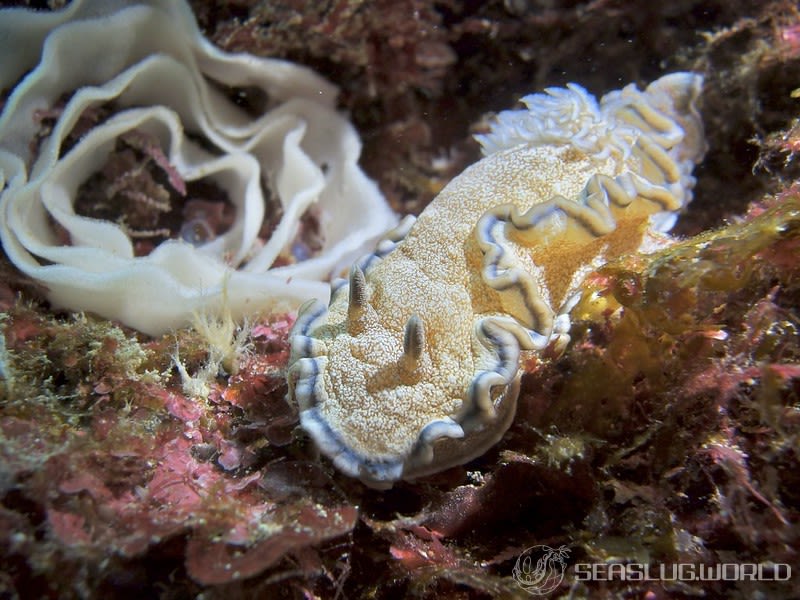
{"points": [[414, 365]]}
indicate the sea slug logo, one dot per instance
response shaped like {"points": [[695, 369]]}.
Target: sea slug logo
{"points": [[546, 575]]}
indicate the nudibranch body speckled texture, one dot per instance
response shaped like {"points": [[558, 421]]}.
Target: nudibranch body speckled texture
{"points": [[414, 365]]}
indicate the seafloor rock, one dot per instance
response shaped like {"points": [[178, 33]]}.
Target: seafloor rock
{"points": [[667, 432]]}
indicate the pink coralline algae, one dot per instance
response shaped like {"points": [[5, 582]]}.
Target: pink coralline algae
{"points": [[128, 466]]}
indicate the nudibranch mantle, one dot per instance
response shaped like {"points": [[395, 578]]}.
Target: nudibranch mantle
{"points": [[414, 365]]}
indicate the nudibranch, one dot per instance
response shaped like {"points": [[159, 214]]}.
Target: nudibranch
{"points": [[413, 367]]}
